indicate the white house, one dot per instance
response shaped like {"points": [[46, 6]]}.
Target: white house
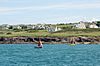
{"points": [[5, 26], [53, 29], [81, 25], [19, 27], [93, 26], [30, 26]]}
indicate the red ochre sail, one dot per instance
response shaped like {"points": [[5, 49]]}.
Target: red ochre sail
{"points": [[40, 44]]}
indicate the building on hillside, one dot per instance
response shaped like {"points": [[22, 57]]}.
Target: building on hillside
{"points": [[30, 26], [53, 29], [17, 27], [5, 26], [81, 25], [93, 26]]}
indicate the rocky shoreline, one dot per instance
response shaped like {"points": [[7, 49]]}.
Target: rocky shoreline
{"points": [[50, 40]]}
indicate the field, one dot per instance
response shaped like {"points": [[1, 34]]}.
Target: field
{"points": [[44, 33]]}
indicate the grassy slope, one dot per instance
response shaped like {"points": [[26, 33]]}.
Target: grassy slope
{"points": [[45, 34]]}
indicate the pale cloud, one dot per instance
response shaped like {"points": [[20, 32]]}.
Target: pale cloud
{"points": [[76, 5], [70, 19], [4, 0], [53, 7]]}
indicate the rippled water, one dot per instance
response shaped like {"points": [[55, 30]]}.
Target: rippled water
{"points": [[49, 55]]}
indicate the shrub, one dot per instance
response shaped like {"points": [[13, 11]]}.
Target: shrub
{"points": [[1, 32], [8, 33], [17, 30], [31, 30]]}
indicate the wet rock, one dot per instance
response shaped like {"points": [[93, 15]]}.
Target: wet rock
{"points": [[29, 39], [2, 39]]}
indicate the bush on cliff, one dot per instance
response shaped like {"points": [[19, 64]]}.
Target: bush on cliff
{"points": [[82, 30], [8, 33], [1, 32], [31, 31]]}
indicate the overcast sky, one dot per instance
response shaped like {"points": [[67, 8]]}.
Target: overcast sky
{"points": [[48, 11]]}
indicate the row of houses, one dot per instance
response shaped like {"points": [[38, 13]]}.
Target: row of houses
{"points": [[49, 28], [22, 26]]}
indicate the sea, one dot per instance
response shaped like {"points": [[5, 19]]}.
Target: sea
{"points": [[49, 55]]}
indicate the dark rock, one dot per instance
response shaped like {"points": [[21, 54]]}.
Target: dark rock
{"points": [[29, 39], [2, 39]]}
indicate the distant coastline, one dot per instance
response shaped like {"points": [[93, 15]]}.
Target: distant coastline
{"points": [[78, 33], [50, 40]]}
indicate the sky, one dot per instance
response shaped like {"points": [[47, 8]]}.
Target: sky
{"points": [[48, 11]]}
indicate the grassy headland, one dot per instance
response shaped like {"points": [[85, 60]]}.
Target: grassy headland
{"points": [[81, 36], [44, 33]]}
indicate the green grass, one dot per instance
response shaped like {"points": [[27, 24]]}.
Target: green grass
{"points": [[64, 26], [44, 33]]}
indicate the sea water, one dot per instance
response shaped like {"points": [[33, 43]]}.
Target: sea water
{"points": [[49, 55]]}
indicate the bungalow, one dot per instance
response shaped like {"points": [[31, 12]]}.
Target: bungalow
{"points": [[53, 29], [17, 27], [93, 26], [5, 26], [36, 27], [39, 27], [81, 25], [30, 26]]}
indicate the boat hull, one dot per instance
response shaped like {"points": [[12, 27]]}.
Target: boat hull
{"points": [[37, 47]]}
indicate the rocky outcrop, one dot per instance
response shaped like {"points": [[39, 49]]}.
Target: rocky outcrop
{"points": [[50, 40]]}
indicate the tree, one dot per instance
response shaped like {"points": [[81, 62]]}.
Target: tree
{"points": [[10, 27], [98, 23], [23, 26]]}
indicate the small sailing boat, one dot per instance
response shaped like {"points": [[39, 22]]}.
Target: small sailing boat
{"points": [[72, 42], [39, 44]]}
